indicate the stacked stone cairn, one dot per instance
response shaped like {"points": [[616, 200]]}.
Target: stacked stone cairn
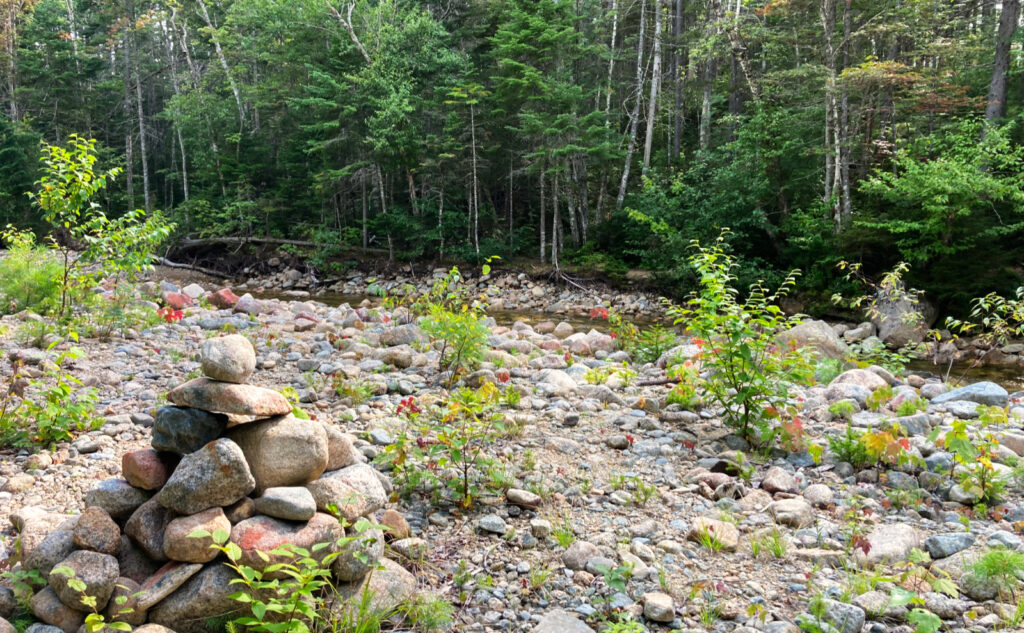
{"points": [[227, 457]]}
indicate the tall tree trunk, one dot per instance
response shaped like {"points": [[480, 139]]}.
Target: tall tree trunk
{"points": [[129, 161], [440, 218], [196, 85], [634, 117], [176, 85], [574, 225], [741, 56], [366, 232], [556, 229], [1008, 19], [579, 175], [845, 211], [677, 80], [143, 154], [384, 208], [652, 105], [9, 34], [709, 72], [611, 61], [411, 183], [476, 188], [827, 12], [224, 65], [510, 208], [543, 218]]}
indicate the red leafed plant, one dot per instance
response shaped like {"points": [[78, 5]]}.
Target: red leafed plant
{"points": [[170, 315]]}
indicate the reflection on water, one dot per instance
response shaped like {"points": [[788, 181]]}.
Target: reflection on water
{"points": [[1011, 377]]}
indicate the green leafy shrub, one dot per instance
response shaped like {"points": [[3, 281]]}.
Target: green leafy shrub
{"points": [[652, 343], [460, 337], [910, 406], [827, 370], [749, 375], [27, 275], [444, 447], [455, 323], [294, 593], [355, 391], [993, 318], [880, 397], [975, 451], [850, 448], [685, 392], [56, 405], [106, 248], [1004, 567]]}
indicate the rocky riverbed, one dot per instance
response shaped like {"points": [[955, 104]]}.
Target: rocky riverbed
{"points": [[611, 494]]}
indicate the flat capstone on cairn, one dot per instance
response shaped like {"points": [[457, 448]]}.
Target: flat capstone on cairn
{"points": [[226, 456]]}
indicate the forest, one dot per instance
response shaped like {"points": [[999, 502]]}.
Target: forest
{"points": [[605, 134]]}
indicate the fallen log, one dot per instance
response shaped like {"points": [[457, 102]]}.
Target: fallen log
{"points": [[211, 241], [163, 261]]}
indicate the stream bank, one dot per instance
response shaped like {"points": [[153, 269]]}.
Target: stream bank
{"points": [[601, 471]]}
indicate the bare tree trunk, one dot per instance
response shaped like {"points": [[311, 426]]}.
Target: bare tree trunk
{"points": [[346, 22], [384, 208], [677, 100], [411, 183], [224, 66], [634, 117], [196, 85], [440, 217], [827, 11], [366, 232], [996, 101], [741, 57], [652, 106], [10, 39], [555, 221], [611, 61], [579, 174], [510, 207], [142, 136], [476, 189], [709, 72], [574, 225], [846, 205], [129, 161], [176, 85], [543, 218]]}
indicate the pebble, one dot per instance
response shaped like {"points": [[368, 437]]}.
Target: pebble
{"points": [[492, 523]]}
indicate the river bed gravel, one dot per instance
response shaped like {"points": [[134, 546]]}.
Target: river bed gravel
{"points": [[628, 479]]}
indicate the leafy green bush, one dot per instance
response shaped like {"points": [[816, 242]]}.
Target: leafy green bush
{"points": [[652, 343], [57, 406], [27, 275], [460, 337], [106, 248], [1002, 566], [975, 450], [748, 375], [850, 448], [444, 447], [294, 593]]}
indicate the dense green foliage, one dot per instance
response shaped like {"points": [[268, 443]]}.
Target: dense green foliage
{"points": [[816, 130], [747, 375]]}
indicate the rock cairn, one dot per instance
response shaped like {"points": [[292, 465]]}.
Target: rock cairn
{"points": [[229, 457]]}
